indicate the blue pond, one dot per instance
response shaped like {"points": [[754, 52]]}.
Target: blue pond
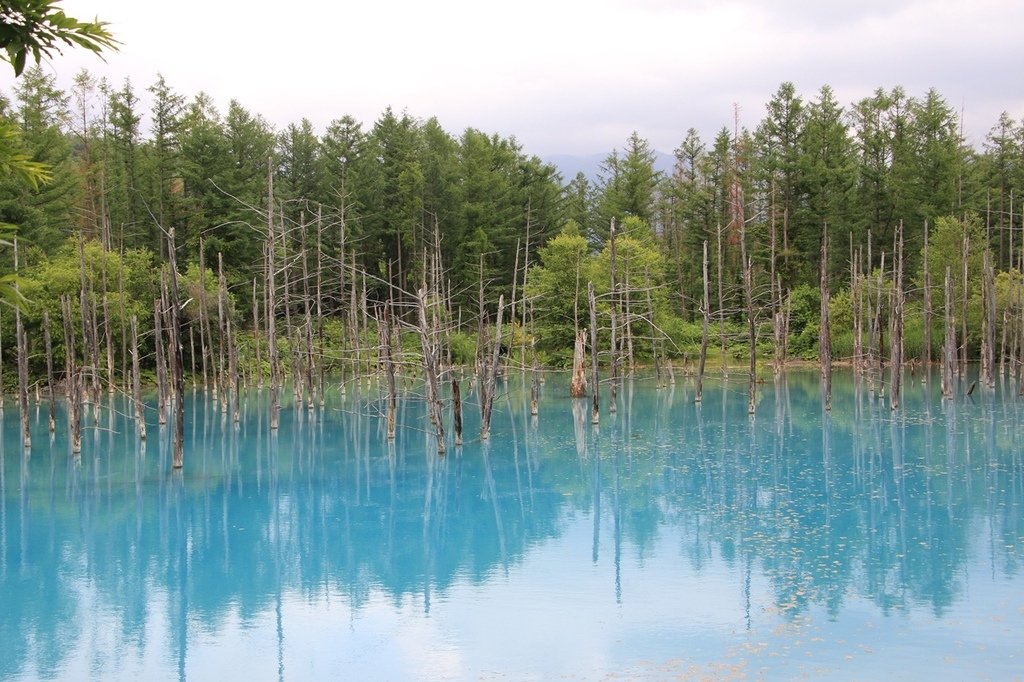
{"points": [[672, 541]]}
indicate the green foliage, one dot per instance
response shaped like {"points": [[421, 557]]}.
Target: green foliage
{"points": [[946, 250], [627, 185], [38, 28], [840, 310], [16, 162], [403, 189], [463, 347], [558, 287], [44, 282], [1009, 293], [684, 337], [805, 307]]}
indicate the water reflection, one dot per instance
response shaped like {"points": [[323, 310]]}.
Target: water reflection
{"points": [[900, 509]]}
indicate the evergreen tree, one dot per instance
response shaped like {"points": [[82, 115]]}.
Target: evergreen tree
{"points": [[164, 153], [41, 213], [778, 145], [628, 184], [827, 174]]}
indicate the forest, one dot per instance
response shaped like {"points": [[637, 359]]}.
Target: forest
{"points": [[312, 238]]}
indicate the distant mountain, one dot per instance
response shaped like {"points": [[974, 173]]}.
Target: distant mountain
{"points": [[590, 165]]}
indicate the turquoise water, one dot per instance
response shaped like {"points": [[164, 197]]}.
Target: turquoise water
{"points": [[672, 541]]}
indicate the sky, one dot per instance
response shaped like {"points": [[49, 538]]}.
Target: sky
{"points": [[562, 76]]}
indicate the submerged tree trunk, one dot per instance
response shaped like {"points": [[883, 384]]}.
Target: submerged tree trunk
{"points": [[175, 352], [384, 333], [74, 385], [748, 286], [204, 331], [109, 343], [989, 322], [595, 412], [430, 370], [578, 385], [856, 304], [457, 409], [654, 333], [721, 306], [161, 366], [896, 323], [926, 351], [614, 322], [824, 333], [488, 380], [49, 372], [963, 309], [26, 435], [879, 333], [705, 309], [22, 346], [949, 340], [534, 371], [140, 414], [271, 302]]}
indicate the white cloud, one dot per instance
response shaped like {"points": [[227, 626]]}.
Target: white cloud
{"points": [[563, 75]]}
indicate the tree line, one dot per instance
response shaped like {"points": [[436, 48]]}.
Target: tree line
{"points": [[368, 213]]}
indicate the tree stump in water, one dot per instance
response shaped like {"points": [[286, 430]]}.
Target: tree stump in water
{"points": [[578, 387]]}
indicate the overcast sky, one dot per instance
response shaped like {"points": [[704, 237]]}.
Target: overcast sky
{"points": [[563, 76]]}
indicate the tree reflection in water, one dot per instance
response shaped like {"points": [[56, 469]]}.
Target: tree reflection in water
{"points": [[112, 555]]}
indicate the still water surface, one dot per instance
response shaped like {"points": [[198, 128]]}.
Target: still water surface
{"points": [[673, 541]]}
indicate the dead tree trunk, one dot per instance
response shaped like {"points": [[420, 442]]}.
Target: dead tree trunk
{"points": [[896, 325], [614, 321], [705, 310], [108, 337], [321, 362], [824, 338], [627, 319], [258, 370], [654, 334], [192, 353], [205, 340], [430, 371], [857, 309], [140, 413], [776, 307], [384, 334], [161, 366], [1, 371], [83, 304], [223, 306], [534, 371], [175, 352], [489, 379], [307, 327], [73, 379], [222, 371], [1002, 343], [595, 378], [578, 385], [457, 409], [879, 333], [271, 313], [22, 346], [963, 304], [989, 322], [926, 352], [95, 336], [721, 305], [49, 371], [748, 294], [949, 340]]}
